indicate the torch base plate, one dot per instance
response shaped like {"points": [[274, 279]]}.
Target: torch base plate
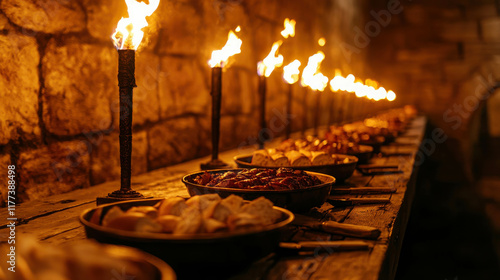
{"points": [[214, 164], [118, 196]]}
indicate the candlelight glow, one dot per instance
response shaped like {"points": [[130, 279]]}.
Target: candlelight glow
{"points": [[391, 96], [289, 28], [233, 46], [291, 72], [266, 67], [311, 76], [129, 33], [321, 42]]}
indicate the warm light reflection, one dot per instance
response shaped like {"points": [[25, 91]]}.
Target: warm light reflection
{"points": [[233, 46], [266, 66], [289, 28], [291, 72], [129, 33]]}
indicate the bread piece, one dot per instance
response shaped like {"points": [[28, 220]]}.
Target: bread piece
{"points": [[212, 225], [149, 211], [112, 213], [191, 221], [297, 159], [206, 202], [168, 222], [172, 206], [262, 208], [321, 158], [260, 158], [226, 207], [279, 159], [243, 221], [135, 222]]}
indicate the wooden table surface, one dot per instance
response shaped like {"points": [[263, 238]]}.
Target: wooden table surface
{"points": [[54, 219]]}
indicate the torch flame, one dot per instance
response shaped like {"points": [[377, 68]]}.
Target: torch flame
{"points": [[321, 42], [129, 33], [311, 76], [369, 89], [232, 47], [391, 96], [289, 28], [266, 66], [291, 72]]}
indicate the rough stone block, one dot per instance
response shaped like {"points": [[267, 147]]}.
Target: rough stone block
{"points": [[423, 13], [460, 31], [181, 31], [47, 16], [20, 86], [455, 71], [481, 11], [105, 157], [172, 141], [183, 87], [429, 53], [53, 169], [4, 22], [239, 91], [481, 51], [247, 136], [76, 99], [489, 29], [103, 16]]}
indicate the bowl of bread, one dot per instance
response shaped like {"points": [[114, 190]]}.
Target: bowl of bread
{"points": [[84, 259], [206, 231], [339, 166], [295, 190]]}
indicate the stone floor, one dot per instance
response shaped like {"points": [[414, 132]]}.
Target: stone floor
{"points": [[454, 229]]}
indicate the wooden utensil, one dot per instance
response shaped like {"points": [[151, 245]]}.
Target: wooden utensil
{"points": [[337, 228], [343, 245]]}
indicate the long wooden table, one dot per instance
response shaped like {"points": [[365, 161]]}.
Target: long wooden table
{"points": [[54, 219]]}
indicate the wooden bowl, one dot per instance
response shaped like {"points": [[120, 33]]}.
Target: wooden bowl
{"points": [[213, 254]]}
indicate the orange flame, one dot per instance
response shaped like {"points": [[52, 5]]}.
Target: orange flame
{"points": [[233, 46], [266, 66], [129, 33], [321, 42], [289, 28], [369, 89], [291, 72], [311, 76]]}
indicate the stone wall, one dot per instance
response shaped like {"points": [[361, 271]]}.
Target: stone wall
{"points": [[444, 57], [59, 109], [441, 56]]}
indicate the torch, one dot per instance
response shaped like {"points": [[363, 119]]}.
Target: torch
{"points": [[127, 38], [264, 70], [217, 62], [291, 76], [316, 81]]}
